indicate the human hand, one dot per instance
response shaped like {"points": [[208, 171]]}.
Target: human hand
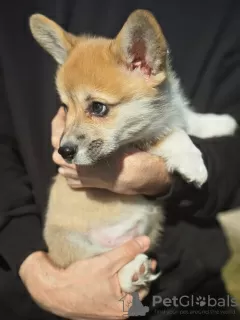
{"points": [[125, 172], [88, 288]]}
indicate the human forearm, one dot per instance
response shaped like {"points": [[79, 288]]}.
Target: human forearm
{"points": [[222, 162]]}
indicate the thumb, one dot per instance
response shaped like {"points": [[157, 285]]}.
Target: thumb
{"points": [[119, 257], [58, 124], [39, 264]]}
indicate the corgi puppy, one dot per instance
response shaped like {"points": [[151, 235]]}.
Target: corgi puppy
{"points": [[117, 93]]}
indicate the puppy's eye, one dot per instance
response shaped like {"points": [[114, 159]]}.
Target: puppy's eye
{"points": [[65, 107], [98, 109]]}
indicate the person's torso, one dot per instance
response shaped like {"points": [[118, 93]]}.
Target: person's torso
{"points": [[191, 28]]}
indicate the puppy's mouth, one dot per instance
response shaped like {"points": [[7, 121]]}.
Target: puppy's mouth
{"points": [[81, 159], [89, 155]]}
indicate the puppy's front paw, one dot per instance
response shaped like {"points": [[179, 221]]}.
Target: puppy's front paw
{"points": [[136, 274], [190, 166], [181, 155]]}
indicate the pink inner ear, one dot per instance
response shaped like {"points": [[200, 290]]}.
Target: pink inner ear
{"points": [[138, 51]]}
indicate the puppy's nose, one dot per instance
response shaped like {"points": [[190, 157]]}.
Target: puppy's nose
{"points": [[67, 151]]}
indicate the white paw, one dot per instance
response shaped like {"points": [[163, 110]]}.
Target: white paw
{"points": [[190, 166], [127, 273], [181, 155], [228, 125]]}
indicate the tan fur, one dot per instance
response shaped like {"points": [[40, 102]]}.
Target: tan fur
{"points": [[82, 210], [86, 83]]}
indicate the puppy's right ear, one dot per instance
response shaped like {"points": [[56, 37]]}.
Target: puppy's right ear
{"points": [[142, 45], [51, 37]]}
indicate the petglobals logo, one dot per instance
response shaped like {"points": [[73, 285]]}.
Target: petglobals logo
{"points": [[198, 301]]}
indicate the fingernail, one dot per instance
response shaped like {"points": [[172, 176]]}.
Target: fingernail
{"points": [[61, 171], [144, 242]]}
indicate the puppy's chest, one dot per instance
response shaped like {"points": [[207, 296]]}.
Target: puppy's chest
{"points": [[110, 235], [97, 220]]}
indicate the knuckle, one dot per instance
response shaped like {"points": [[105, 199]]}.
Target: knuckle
{"points": [[55, 141], [54, 156], [53, 125], [128, 250], [73, 185], [123, 187], [53, 121], [57, 158]]}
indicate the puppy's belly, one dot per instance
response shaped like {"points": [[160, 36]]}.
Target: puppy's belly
{"points": [[115, 235], [81, 224]]}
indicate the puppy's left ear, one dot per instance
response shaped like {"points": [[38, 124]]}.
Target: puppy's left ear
{"points": [[51, 37], [141, 44]]}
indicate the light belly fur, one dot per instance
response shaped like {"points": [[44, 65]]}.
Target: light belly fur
{"points": [[84, 223]]}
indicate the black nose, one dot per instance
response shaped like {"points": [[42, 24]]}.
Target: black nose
{"points": [[67, 151]]}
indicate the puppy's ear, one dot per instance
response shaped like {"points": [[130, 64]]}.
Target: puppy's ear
{"points": [[51, 37], [141, 43]]}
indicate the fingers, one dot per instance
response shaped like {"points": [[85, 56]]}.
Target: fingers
{"points": [[69, 173], [58, 159], [61, 162], [40, 264], [142, 293], [75, 184], [72, 177], [58, 124], [119, 257]]}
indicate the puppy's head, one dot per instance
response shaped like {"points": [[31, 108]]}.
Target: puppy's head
{"points": [[109, 87]]}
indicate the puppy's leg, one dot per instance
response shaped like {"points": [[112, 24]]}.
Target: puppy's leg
{"points": [[182, 156], [210, 125], [126, 274]]}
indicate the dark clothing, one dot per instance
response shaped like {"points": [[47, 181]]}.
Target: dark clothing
{"points": [[204, 39]]}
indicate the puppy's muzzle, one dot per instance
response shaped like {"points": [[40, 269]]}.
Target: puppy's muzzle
{"points": [[94, 148]]}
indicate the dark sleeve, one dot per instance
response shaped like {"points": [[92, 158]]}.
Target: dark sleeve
{"points": [[20, 225], [194, 248], [221, 155], [219, 193]]}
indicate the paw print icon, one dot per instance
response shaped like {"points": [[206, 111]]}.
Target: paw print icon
{"points": [[201, 301]]}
